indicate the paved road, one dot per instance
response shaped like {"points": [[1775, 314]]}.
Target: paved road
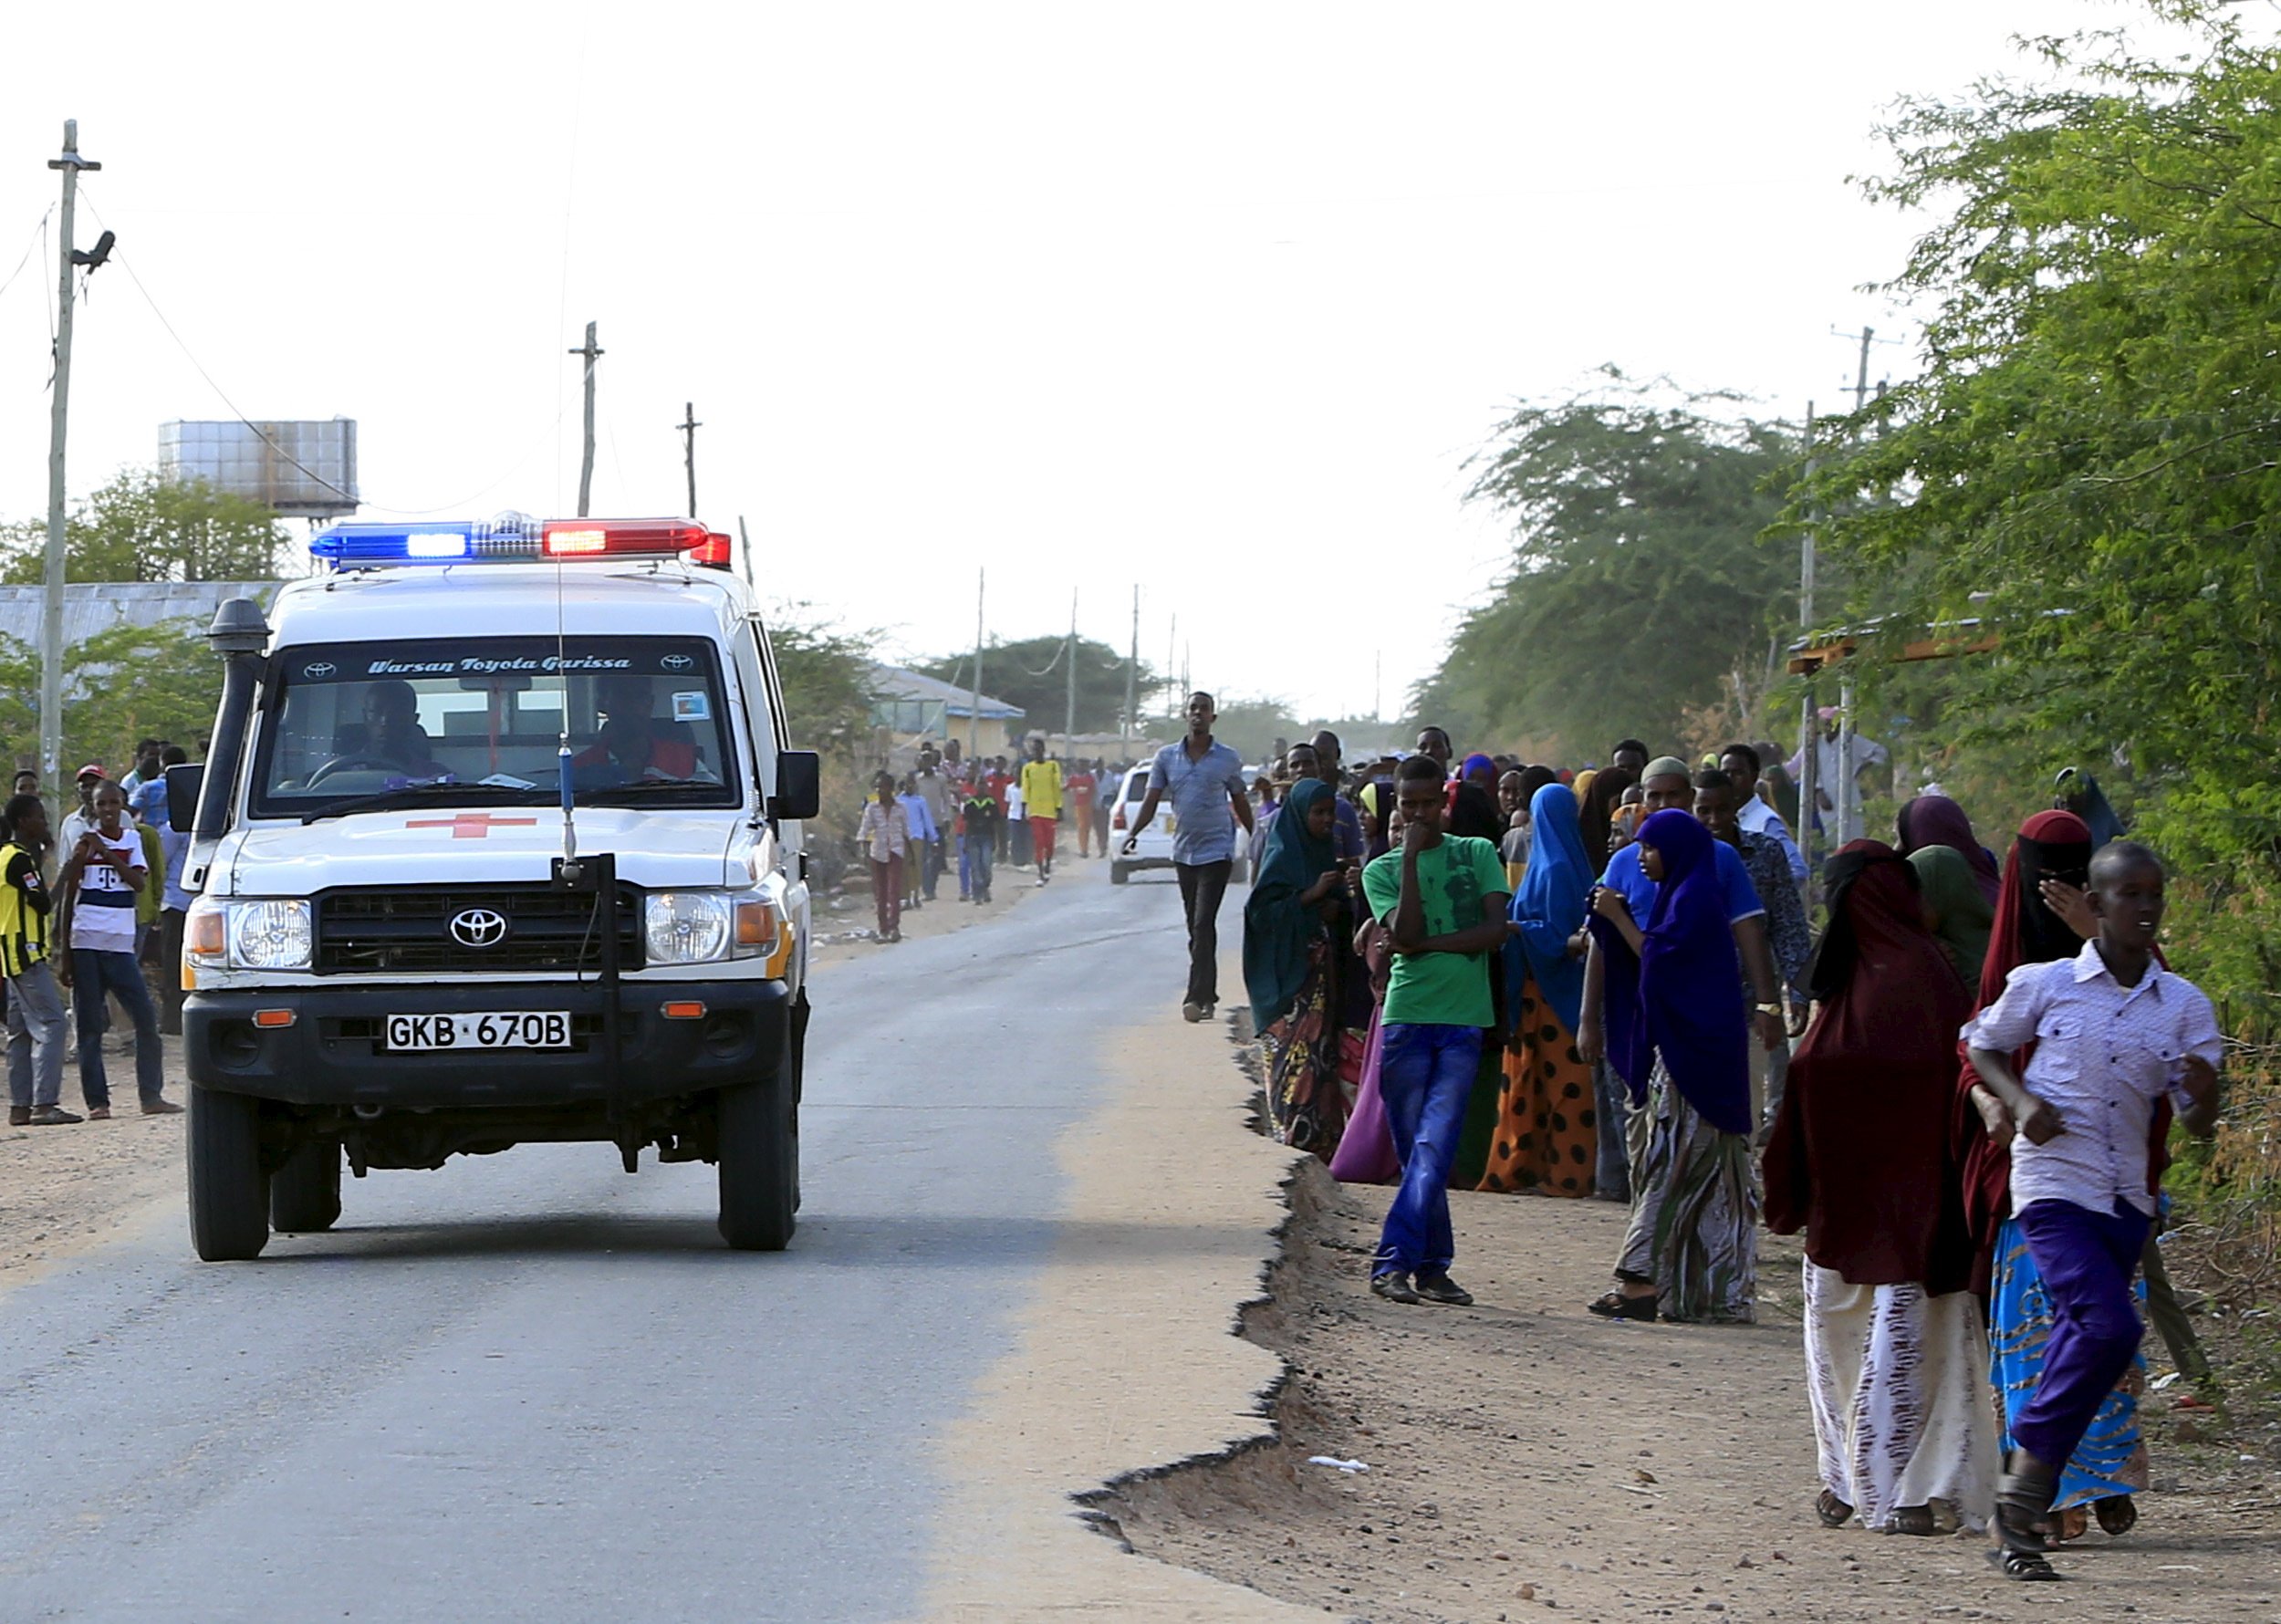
{"points": [[532, 1386]]}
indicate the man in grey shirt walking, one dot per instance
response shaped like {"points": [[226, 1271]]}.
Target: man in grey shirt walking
{"points": [[1204, 779]]}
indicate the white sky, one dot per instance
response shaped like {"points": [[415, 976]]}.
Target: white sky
{"points": [[1211, 298]]}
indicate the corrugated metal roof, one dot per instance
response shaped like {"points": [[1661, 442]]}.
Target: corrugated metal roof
{"points": [[92, 606], [892, 681]]}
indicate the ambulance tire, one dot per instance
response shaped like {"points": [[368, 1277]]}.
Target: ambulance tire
{"points": [[304, 1193], [229, 1193], [759, 1151]]}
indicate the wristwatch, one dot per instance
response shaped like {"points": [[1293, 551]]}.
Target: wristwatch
{"points": [[1772, 1009]]}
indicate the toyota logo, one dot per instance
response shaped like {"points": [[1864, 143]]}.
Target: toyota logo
{"points": [[478, 927], [677, 661], [320, 671]]}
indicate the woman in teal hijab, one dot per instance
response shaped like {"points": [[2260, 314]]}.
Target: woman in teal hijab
{"points": [[1297, 898]]}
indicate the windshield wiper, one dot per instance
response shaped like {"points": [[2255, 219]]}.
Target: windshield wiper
{"points": [[406, 795], [647, 789]]}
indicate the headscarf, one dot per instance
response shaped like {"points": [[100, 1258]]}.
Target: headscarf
{"points": [[1962, 917], [1475, 762], [1278, 931], [1473, 811], [1690, 1009], [2081, 794], [2051, 845], [1858, 1157], [1935, 820], [1596, 813], [1549, 906]]}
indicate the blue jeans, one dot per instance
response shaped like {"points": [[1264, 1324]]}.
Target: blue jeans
{"points": [[95, 976], [2087, 1260], [1426, 1077], [973, 866], [35, 1037]]}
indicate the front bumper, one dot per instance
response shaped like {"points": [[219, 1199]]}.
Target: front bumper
{"points": [[331, 1054]]}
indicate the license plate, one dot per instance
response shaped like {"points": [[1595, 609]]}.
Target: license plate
{"points": [[520, 1029]]}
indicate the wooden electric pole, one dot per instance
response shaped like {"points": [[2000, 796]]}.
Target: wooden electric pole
{"points": [[689, 425], [593, 352], [58, 420]]}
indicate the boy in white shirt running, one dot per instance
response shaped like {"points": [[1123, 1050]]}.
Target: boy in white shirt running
{"points": [[2113, 1033]]}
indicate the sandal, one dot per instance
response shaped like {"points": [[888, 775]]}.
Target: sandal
{"points": [[1916, 1520], [1616, 1306], [2022, 1565], [2118, 1515], [1833, 1512], [2065, 1527]]}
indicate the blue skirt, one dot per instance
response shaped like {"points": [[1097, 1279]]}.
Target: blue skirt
{"points": [[2112, 1459]]}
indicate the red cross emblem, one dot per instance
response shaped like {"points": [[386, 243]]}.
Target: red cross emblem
{"points": [[472, 826]]}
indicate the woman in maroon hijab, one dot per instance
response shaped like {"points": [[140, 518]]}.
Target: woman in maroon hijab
{"points": [[1895, 1349]]}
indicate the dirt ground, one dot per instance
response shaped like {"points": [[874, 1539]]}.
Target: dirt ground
{"points": [[1523, 1455], [851, 930]]}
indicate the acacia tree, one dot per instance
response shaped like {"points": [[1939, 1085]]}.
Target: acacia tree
{"points": [[1030, 674], [1639, 585], [2085, 465]]}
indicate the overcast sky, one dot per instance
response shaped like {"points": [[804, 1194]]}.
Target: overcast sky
{"points": [[1212, 298]]}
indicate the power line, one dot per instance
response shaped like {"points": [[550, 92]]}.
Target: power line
{"points": [[40, 235], [222, 394]]}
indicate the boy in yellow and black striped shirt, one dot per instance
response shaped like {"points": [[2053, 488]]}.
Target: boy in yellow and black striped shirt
{"points": [[35, 1023]]}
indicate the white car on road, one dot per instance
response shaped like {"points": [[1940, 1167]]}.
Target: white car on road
{"points": [[1155, 850]]}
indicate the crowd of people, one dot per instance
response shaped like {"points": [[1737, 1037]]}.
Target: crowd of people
{"points": [[968, 816], [1481, 974], [87, 906]]}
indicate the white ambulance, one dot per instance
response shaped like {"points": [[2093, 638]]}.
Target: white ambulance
{"points": [[499, 840]]}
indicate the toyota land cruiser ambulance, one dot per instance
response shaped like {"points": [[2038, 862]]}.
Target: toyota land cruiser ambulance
{"points": [[499, 840]]}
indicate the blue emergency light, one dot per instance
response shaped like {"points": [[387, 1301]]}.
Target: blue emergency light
{"points": [[514, 538]]}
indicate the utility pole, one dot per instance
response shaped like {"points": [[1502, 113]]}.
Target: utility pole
{"points": [[1861, 379], [974, 709], [1069, 717], [1809, 743], [60, 416], [593, 352], [1133, 672], [689, 425]]}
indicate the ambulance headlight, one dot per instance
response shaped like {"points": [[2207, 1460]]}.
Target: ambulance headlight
{"points": [[687, 927], [273, 935]]}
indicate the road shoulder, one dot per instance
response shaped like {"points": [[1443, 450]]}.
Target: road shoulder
{"points": [[1125, 1357]]}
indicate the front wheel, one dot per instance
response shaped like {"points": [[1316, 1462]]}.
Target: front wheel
{"points": [[760, 1175], [304, 1193], [229, 1193]]}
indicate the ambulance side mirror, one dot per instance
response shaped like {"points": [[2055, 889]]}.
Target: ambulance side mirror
{"points": [[799, 784], [184, 781]]}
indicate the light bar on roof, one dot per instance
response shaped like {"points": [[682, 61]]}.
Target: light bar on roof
{"points": [[508, 540]]}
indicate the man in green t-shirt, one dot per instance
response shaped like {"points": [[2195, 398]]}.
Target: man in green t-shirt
{"points": [[1441, 898]]}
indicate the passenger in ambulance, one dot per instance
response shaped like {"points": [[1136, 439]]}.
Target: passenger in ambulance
{"points": [[633, 744]]}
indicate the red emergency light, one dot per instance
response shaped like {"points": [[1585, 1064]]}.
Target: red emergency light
{"points": [[576, 539]]}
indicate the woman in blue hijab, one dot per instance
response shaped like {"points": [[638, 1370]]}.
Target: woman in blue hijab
{"points": [[1547, 1132], [1691, 1249], [1296, 901]]}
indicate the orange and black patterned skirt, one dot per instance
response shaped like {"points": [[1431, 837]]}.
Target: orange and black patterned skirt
{"points": [[1547, 1137]]}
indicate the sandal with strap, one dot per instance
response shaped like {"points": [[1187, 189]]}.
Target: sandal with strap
{"points": [[1833, 1512], [2118, 1515], [1916, 1520], [1616, 1306], [2022, 1565]]}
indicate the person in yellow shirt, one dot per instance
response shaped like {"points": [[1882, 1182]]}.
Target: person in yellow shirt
{"points": [[1041, 799]]}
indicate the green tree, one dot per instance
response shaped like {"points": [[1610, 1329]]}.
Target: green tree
{"points": [[141, 528], [2085, 466], [1640, 586], [1031, 673], [126, 683]]}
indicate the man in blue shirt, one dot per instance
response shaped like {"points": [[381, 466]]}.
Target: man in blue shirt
{"points": [[1205, 781]]}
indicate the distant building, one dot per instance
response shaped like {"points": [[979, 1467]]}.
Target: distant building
{"points": [[910, 706]]}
